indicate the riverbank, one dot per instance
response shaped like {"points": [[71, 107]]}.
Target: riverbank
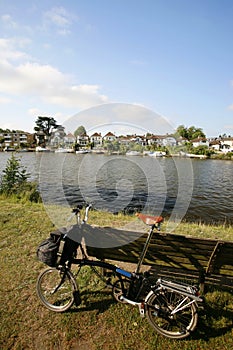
{"points": [[156, 154], [99, 323]]}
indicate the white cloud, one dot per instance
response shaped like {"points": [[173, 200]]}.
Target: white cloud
{"points": [[35, 112], [9, 51], [8, 21], [10, 25], [42, 81], [60, 18]]}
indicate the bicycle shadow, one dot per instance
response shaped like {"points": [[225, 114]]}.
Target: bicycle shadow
{"points": [[213, 323], [94, 300]]}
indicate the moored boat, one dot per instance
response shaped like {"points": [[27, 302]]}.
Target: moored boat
{"points": [[42, 149]]}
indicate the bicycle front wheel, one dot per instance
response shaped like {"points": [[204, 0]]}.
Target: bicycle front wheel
{"points": [[171, 314], [56, 289]]}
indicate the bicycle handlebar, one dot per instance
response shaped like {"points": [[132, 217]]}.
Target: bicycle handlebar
{"points": [[88, 207], [76, 212]]}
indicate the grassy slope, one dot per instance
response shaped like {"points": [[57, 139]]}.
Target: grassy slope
{"points": [[99, 323]]}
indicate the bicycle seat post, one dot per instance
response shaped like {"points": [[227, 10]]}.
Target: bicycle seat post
{"points": [[145, 248]]}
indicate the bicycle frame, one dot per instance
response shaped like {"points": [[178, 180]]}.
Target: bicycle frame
{"points": [[144, 250], [170, 307]]}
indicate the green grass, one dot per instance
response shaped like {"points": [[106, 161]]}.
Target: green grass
{"points": [[99, 323]]}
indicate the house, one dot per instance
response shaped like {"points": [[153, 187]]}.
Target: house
{"points": [[215, 145], [124, 140], [57, 136], [153, 140], [200, 141], [83, 140], [96, 139], [109, 137], [226, 144], [69, 140], [140, 140], [169, 140], [15, 139], [161, 140]]}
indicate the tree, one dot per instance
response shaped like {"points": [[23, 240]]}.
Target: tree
{"points": [[14, 181], [194, 132], [190, 133], [182, 131], [80, 131], [45, 124], [14, 176]]}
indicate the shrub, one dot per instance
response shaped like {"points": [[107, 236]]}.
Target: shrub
{"points": [[15, 182]]}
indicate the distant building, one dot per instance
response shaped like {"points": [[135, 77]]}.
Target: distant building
{"points": [[57, 136], [15, 139], [109, 137], [96, 139], [83, 140], [140, 140], [124, 140], [69, 140], [161, 140], [169, 140], [226, 144], [215, 145], [200, 141]]}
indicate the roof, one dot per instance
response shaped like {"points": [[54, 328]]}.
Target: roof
{"points": [[96, 134], [199, 139], [109, 134]]}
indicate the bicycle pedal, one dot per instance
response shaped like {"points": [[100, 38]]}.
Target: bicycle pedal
{"points": [[77, 298]]}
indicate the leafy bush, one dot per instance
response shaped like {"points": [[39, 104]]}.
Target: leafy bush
{"points": [[15, 182]]}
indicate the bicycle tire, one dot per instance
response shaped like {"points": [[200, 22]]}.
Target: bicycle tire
{"points": [[56, 289], [175, 326]]}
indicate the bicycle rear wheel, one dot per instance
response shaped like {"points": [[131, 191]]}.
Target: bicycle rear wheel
{"points": [[56, 289], [171, 313]]}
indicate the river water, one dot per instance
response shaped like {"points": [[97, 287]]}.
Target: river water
{"points": [[196, 190]]}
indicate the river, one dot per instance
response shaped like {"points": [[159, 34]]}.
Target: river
{"points": [[196, 190]]}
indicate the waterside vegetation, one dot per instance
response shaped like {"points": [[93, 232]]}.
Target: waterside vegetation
{"points": [[14, 182]]}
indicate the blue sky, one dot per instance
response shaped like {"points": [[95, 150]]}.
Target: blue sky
{"points": [[174, 57]]}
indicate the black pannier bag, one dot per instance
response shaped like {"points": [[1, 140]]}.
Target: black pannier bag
{"points": [[57, 249]]}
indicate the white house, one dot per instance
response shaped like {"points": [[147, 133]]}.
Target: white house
{"points": [[69, 140], [57, 136], [215, 145], [200, 141], [227, 144], [96, 139], [109, 137], [140, 140], [83, 140], [169, 141]]}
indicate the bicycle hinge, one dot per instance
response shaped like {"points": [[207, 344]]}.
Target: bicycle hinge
{"points": [[141, 307]]}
